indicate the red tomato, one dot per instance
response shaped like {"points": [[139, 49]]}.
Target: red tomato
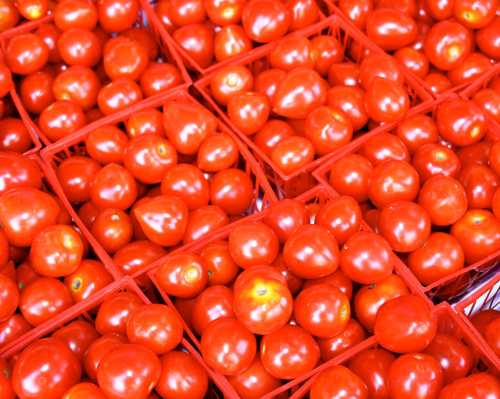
{"points": [[476, 385], [197, 40], [386, 101], [181, 376], [107, 144], [159, 77], [13, 328], [289, 352], [14, 136], [416, 131], [9, 297], [285, 217], [78, 336], [47, 368], [405, 324], [436, 159], [130, 371], [351, 176], [154, 326], [118, 95], [75, 14], [115, 311], [117, 15], [84, 390], [187, 182], [266, 20], [97, 350], [79, 84], [254, 382], [227, 346], [204, 221], [370, 298], [384, 147], [333, 346], [60, 119], [88, 278], [224, 12], [26, 53], [372, 366], [213, 303], [78, 46], [336, 382], [124, 58], [183, 275], [480, 184], [292, 153], [262, 300], [220, 265], [232, 190]]}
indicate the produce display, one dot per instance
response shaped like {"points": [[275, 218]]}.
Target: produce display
{"points": [[260, 199]]}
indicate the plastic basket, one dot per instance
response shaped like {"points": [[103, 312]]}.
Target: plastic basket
{"points": [[74, 144], [83, 311], [317, 195], [335, 26], [196, 68], [146, 19], [448, 323], [486, 296], [447, 287]]}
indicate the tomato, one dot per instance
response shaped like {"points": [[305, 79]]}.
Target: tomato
{"points": [[351, 175], [77, 335], [455, 358], [24, 275], [267, 82], [227, 346], [13, 328], [290, 53], [60, 119], [262, 300], [447, 44], [254, 382], [220, 265], [146, 121], [79, 84], [322, 310], [386, 101], [231, 41], [436, 159], [36, 91], [370, 298], [56, 251], [118, 95], [159, 77], [197, 40], [113, 187], [129, 371], [485, 38], [75, 14], [480, 184], [437, 82], [405, 225], [84, 390], [203, 221], [336, 382], [333, 346], [372, 366], [478, 232], [405, 324], [232, 190], [75, 174], [384, 147], [474, 14], [135, 256], [492, 336], [88, 278], [487, 100], [154, 326], [391, 29], [225, 12], [188, 183], [117, 15], [183, 275], [248, 111], [476, 385], [473, 66], [379, 65], [181, 376], [10, 15], [9, 295], [97, 350], [311, 252], [26, 53], [230, 80], [115, 311], [393, 181], [301, 91], [292, 153], [416, 131], [47, 368], [266, 20], [213, 303], [285, 217], [350, 100], [107, 144], [124, 58], [289, 352], [253, 244], [413, 60], [79, 47], [43, 299], [113, 229], [14, 136], [356, 11]]}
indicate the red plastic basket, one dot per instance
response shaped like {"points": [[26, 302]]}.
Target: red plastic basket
{"points": [[74, 144], [84, 309], [333, 25], [486, 296], [454, 284], [449, 322], [146, 19], [317, 195]]}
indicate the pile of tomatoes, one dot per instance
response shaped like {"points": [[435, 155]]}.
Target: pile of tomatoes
{"points": [[90, 61]]}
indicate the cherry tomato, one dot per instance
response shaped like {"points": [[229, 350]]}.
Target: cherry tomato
{"points": [[289, 352], [248, 111], [213, 303], [113, 187], [129, 371], [113, 229], [225, 12], [292, 153], [485, 38], [115, 311], [254, 382], [333, 346], [336, 382], [405, 324], [350, 100], [13, 328], [416, 131], [266, 20], [26, 53], [227, 346], [232, 190], [372, 366], [386, 101], [476, 385], [47, 369], [230, 80], [220, 265], [36, 91], [60, 119], [79, 84], [97, 350], [75, 174], [351, 176], [379, 65], [480, 184], [435, 159], [89, 277], [75, 14], [391, 29], [117, 15], [197, 40], [107, 144], [124, 58], [181, 376], [77, 335], [9, 295], [159, 77], [231, 41], [188, 183], [183, 275], [84, 390], [10, 15], [118, 95], [384, 147], [79, 47]]}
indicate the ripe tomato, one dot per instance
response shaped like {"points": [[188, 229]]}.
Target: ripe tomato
{"points": [[9, 297], [351, 176], [265, 20], [391, 29], [262, 300], [188, 183], [89, 277], [107, 144], [26, 53], [114, 313], [84, 390], [154, 326], [350, 100], [232, 190], [370, 298], [436, 159], [217, 152], [12, 328], [181, 376], [227, 346], [97, 350], [78, 336], [221, 267], [117, 15], [285, 217], [416, 131], [204, 221], [213, 303], [372, 366], [113, 187], [124, 58], [386, 101], [333, 346], [289, 352], [130, 371], [183, 275], [476, 385], [254, 382], [366, 258], [383, 147], [336, 382], [405, 324], [292, 153], [248, 111]]}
